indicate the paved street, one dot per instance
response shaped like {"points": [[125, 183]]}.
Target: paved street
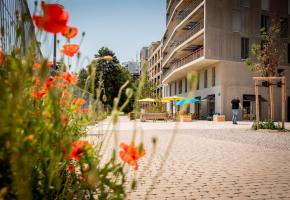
{"points": [[209, 160]]}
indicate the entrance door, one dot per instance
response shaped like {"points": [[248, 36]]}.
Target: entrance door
{"points": [[210, 105], [288, 109]]}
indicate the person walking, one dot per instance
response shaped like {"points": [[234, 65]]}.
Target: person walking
{"points": [[235, 109]]}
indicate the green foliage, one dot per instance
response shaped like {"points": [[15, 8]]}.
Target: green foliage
{"points": [[266, 125], [148, 87], [267, 55], [82, 78], [38, 132], [109, 77]]}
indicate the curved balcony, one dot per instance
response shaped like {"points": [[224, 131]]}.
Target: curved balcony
{"points": [[190, 34], [171, 11], [180, 17], [187, 59]]}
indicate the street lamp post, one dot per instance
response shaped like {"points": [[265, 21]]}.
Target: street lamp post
{"points": [[54, 51]]}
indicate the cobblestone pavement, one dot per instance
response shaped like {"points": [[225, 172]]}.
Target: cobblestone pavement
{"points": [[209, 160]]}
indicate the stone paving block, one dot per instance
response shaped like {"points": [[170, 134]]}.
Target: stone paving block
{"points": [[218, 163]]}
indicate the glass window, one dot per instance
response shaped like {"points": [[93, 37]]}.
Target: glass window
{"points": [[288, 52], [185, 85], [205, 79], [236, 23], [213, 77], [265, 5], [179, 86], [244, 48], [170, 89], [283, 27], [175, 87], [264, 23], [288, 7], [245, 3]]}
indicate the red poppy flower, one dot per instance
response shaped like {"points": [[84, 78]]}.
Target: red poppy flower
{"points": [[39, 94], [1, 57], [38, 66], [86, 110], [70, 49], [64, 118], [71, 168], [78, 149], [54, 19], [79, 101], [70, 78], [130, 154], [49, 64], [50, 82], [70, 32]]}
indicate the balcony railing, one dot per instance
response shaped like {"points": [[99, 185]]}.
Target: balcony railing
{"points": [[171, 9], [178, 18], [187, 59], [198, 26]]}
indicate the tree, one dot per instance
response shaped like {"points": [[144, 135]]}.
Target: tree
{"points": [[268, 59], [267, 54], [149, 89], [82, 78], [110, 76]]}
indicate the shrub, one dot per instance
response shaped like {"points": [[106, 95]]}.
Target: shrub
{"points": [[266, 125]]}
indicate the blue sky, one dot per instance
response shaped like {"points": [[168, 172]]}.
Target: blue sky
{"points": [[125, 26]]}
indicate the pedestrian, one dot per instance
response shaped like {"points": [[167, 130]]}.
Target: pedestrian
{"points": [[235, 109]]}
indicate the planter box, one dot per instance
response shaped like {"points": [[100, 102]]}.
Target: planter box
{"points": [[219, 118], [131, 116], [185, 118]]}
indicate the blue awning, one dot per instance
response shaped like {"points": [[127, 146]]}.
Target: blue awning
{"points": [[187, 101]]}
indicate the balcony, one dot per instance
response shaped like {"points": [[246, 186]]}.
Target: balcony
{"points": [[185, 60], [179, 17], [171, 9], [177, 44]]}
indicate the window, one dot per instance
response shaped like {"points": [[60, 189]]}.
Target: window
{"points": [[205, 79], [175, 87], [245, 3], [244, 48], [288, 7], [288, 52], [213, 77], [283, 27], [265, 5], [236, 23], [185, 85], [180, 87], [197, 81], [170, 89], [197, 84], [264, 23]]}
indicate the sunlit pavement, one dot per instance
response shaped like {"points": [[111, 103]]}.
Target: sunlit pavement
{"points": [[207, 160]]}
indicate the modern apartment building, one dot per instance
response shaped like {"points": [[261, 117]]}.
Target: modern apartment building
{"points": [[144, 56], [154, 71], [212, 39]]}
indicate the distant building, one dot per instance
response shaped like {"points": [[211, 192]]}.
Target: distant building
{"points": [[144, 56], [133, 67], [154, 71], [152, 56]]}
